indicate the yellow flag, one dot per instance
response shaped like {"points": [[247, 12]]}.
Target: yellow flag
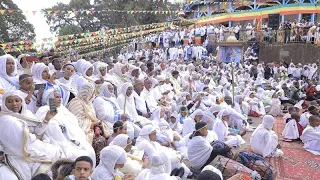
{"points": [[2, 11]]}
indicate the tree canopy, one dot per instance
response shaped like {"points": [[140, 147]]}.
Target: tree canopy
{"points": [[65, 22], [14, 26]]}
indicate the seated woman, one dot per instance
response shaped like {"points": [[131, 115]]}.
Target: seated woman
{"points": [[64, 130], [65, 83], [119, 127], [256, 105], [174, 123], [292, 129], [23, 150], [190, 122], [275, 104], [8, 74], [86, 75], [119, 74], [134, 165], [82, 108], [147, 142], [264, 141], [160, 168], [311, 135], [221, 128], [112, 158], [127, 105]]}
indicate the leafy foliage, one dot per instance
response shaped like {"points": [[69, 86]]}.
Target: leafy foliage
{"points": [[65, 20], [14, 26]]}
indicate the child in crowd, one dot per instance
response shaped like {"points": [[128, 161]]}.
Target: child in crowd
{"points": [[82, 169], [293, 129]]}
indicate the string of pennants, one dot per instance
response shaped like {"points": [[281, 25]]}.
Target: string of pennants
{"points": [[92, 12]]}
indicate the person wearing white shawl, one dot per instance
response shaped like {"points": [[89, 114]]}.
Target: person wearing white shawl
{"points": [[147, 142], [199, 149], [127, 105], [241, 106], [9, 80], [66, 83], [140, 102], [134, 165], [23, 66], [101, 71], [24, 152], [86, 71], [311, 136], [64, 130], [256, 105], [40, 73], [77, 74], [190, 122], [160, 169], [149, 94], [119, 74], [222, 129], [112, 158], [292, 129], [174, 123], [264, 141]]}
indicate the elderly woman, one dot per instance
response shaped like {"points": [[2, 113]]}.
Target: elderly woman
{"points": [[82, 108], [23, 149], [119, 74], [147, 142], [264, 141], [85, 69], [160, 168], [134, 165], [63, 129], [112, 158], [8, 74]]}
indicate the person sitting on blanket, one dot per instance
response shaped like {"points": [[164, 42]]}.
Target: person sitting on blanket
{"points": [[264, 141], [292, 129], [311, 135]]}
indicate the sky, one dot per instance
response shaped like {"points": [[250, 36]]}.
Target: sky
{"points": [[42, 29]]}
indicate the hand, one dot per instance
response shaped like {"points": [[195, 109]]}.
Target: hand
{"points": [[176, 138], [27, 100], [96, 123], [128, 177], [50, 115], [123, 117]]}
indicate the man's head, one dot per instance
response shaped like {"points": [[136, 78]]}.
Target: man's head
{"points": [[45, 60], [138, 85], [314, 121], [57, 62], [295, 116], [82, 168]]}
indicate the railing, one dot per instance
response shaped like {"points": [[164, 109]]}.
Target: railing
{"points": [[295, 35]]}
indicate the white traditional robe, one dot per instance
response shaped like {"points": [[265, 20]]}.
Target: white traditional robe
{"points": [[290, 130], [311, 139]]}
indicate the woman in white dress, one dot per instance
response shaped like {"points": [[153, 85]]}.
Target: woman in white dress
{"points": [[160, 169], [119, 74], [19, 138], [222, 129], [66, 83], [64, 130], [9, 80], [190, 122]]}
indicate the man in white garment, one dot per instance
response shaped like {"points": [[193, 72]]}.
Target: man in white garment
{"points": [[264, 141], [141, 104], [311, 135]]}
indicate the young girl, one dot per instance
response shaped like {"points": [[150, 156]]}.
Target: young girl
{"points": [[27, 90], [275, 104]]}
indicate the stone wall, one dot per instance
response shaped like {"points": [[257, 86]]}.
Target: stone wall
{"points": [[292, 52]]}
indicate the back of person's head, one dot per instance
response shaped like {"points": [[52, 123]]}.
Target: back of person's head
{"points": [[61, 168], [117, 126], [291, 109], [41, 176], [208, 175]]}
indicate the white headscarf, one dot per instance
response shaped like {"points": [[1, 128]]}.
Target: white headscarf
{"points": [[268, 122], [120, 140], [13, 93], [109, 157], [37, 70], [126, 103], [97, 66], [104, 91], [11, 78], [117, 69]]}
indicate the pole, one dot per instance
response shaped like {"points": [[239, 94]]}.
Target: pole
{"points": [[232, 76]]}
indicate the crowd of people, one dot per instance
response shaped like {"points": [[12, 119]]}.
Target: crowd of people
{"points": [[148, 114]]}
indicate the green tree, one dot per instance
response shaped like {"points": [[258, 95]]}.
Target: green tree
{"points": [[14, 26], [66, 21]]}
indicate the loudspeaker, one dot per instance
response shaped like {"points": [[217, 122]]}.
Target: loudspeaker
{"points": [[273, 21]]}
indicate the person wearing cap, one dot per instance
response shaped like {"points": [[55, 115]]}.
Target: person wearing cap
{"points": [[264, 141]]}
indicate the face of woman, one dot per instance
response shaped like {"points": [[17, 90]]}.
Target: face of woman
{"points": [[124, 69], [118, 166], [89, 71], [153, 136], [226, 118], [129, 91], [124, 129], [173, 119], [45, 74], [198, 118], [129, 146], [103, 71], [135, 73], [57, 98], [111, 89], [14, 103], [188, 97], [68, 71], [10, 66], [204, 131]]}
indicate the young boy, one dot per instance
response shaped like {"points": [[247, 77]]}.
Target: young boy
{"points": [[293, 129], [311, 135], [27, 89], [82, 169]]}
